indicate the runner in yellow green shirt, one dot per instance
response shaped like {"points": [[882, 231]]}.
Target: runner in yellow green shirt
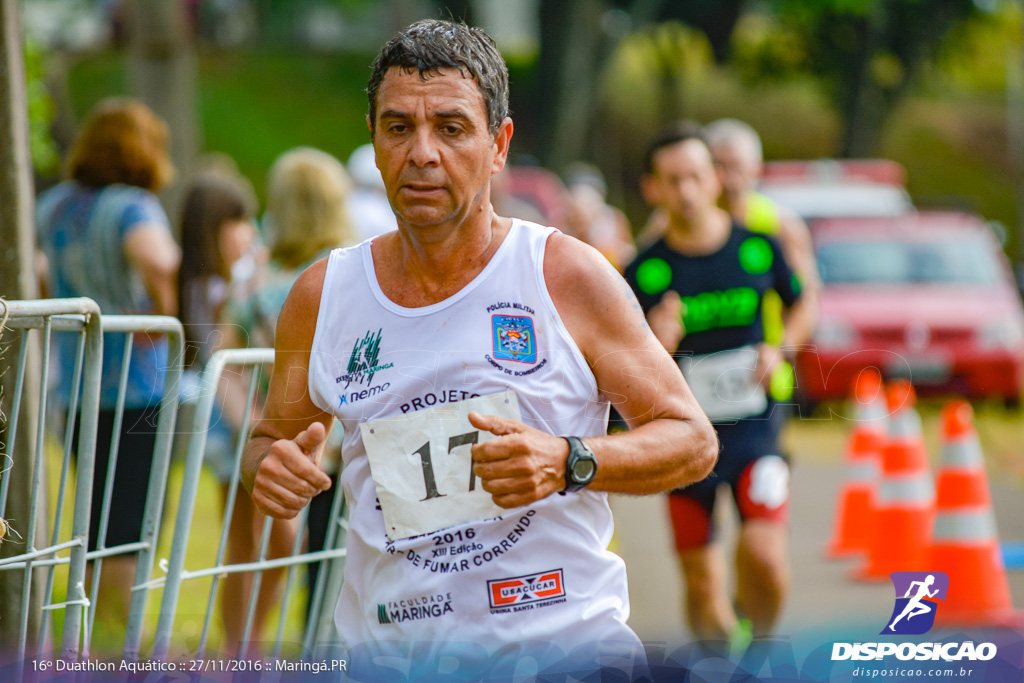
{"points": [[736, 148]]}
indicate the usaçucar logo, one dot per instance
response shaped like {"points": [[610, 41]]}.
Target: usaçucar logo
{"points": [[518, 590], [514, 338], [914, 613]]}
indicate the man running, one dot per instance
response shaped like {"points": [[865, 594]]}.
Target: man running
{"points": [[701, 286], [417, 339], [737, 153]]}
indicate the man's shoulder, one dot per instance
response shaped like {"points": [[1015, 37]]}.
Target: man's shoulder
{"points": [[566, 257], [310, 282], [578, 275]]}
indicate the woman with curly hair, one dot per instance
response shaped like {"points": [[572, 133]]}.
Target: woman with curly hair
{"points": [[106, 237]]}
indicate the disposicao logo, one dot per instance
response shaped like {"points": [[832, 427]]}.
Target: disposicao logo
{"points": [[914, 613], [917, 594]]}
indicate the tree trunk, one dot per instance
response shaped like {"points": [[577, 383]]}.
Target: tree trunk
{"points": [[17, 281], [162, 71], [716, 18], [860, 106]]}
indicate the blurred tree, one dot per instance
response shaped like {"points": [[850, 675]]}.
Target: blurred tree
{"points": [[576, 39], [162, 69], [715, 18], [868, 53]]}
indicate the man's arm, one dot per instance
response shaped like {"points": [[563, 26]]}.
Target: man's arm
{"points": [[795, 240], [280, 465], [671, 442]]}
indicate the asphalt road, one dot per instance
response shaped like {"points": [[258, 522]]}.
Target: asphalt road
{"points": [[822, 596]]}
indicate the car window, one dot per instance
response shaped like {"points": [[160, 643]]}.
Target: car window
{"points": [[840, 200], [966, 262]]}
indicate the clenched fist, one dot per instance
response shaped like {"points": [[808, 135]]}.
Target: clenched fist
{"points": [[289, 476], [521, 466]]}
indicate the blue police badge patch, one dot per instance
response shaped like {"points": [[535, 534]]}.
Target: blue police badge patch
{"points": [[514, 338]]}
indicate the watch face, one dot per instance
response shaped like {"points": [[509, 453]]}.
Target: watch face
{"points": [[583, 470]]}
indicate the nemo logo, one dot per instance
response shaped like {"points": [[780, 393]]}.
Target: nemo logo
{"points": [[518, 590]]}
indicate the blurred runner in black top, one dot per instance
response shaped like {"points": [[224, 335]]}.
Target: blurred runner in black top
{"points": [[701, 287]]}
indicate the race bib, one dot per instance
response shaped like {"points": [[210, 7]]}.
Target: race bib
{"points": [[724, 383], [423, 469]]}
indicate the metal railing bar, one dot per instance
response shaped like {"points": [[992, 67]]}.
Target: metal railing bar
{"points": [[254, 592], [28, 308], [186, 504], [108, 485], [69, 430], [37, 479], [229, 506], [12, 424], [331, 537], [58, 323], [42, 552], [91, 378], [250, 566], [166, 423], [289, 582], [123, 549]]}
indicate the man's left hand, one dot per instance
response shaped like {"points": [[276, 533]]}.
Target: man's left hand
{"points": [[521, 466]]}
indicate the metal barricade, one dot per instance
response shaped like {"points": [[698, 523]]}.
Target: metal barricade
{"points": [[83, 316], [319, 626], [72, 315]]}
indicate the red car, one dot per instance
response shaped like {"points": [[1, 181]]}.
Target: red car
{"points": [[926, 296], [830, 188]]}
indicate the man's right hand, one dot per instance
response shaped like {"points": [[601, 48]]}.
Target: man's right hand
{"points": [[666, 321], [289, 476]]}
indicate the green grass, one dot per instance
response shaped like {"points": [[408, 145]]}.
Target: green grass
{"points": [[202, 551], [254, 105]]}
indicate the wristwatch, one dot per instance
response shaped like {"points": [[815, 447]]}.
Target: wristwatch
{"points": [[580, 466]]}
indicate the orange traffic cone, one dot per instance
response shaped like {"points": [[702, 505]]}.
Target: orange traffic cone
{"points": [[861, 468], [966, 545], [905, 500]]}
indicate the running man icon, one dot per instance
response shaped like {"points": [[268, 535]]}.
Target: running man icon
{"points": [[915, 606], [919, 590]]}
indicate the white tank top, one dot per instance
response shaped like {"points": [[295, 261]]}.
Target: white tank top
{"points": [[540, 572]]}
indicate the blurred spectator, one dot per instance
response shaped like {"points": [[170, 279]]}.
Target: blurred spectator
{"points": [[306, 198], [528, 191], [217, 237], [367, 202], [507, 204], [595, 222], [218, 243], [106, 236]]}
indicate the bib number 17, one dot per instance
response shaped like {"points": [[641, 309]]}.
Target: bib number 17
{"points": [[422, 466], [467, 439]]}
